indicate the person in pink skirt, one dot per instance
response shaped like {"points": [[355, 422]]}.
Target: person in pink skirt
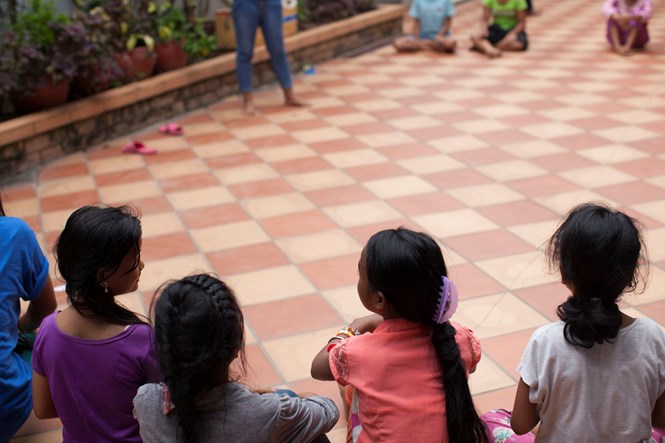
{"points": [[627, 24]]}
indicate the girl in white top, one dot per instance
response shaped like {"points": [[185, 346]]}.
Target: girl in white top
{"points": [[598, 374]]}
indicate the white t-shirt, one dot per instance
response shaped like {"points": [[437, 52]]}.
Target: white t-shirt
{"points": [[602, 394]]}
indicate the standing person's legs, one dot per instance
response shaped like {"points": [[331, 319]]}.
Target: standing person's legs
{"points": [[245, 22], [271, 24]]}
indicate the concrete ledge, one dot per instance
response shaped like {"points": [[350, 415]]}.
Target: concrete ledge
{"points": [[32, 140]]}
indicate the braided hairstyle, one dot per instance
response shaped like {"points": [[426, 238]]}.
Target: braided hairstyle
{"points": [[599, 254], [199, 331], [96, 240], [407, 267]]}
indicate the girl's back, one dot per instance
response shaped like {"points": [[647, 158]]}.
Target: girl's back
{"points": [[602, 393]]}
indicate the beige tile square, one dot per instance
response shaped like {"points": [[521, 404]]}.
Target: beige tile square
{"points": [[501, 111], [485, 195], [458, 94], [417, 122], [655, 290], [384, 139], [157, 272], [277, 205], [457, 143], [488, 377], [378, 105], [326, 244], [536, 234], [258, 131], [246, 173], [169, 144], [21, 208], [653, 209], [291, 115], [269, 285], [511, 170], [319, 135], [565, 201], [133, 301], [116, 164], [533, 149], [597, 176], [345, 90], [203, 128], [658, 180], [625, 134], [655, 239], [154, 225], [611, 154], [400, 92], [67, 185], [431, 163], [399, 186], [364, 213], [371, 78], [228, 236], [346, 302], [452, 223], [551, 130], [497, 314], [519, 271], [178, 169], [293, 355], [129, 191], [637, 116], [438, 107], [356, 157], [55, 221], [566, 113], [518, 96], [197, 198], [534, 84], [581, 99], [480, 126], [350, 119], [219, 149], [310, 181], [284, 153]]}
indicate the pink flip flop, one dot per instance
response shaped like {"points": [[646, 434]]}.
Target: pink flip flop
{"points": [[137, 147], [171, 129]]}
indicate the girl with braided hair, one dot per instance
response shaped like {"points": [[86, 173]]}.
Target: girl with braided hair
{"points": [[199, 333], [90, 358], [408, 363]]}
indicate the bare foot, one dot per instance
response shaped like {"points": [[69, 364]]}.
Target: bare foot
{"points": [[493, 53], [291, 100], [248, 104]]}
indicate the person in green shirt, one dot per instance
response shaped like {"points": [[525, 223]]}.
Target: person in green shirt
{"points": [[503, 27]]}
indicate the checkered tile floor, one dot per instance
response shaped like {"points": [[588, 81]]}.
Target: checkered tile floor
{"points": [[486, 155]]}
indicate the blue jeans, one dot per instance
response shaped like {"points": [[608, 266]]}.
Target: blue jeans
{"points": [[248, 15]]}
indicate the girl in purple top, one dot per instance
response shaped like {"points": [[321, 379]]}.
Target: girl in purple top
{"points": [[627, 24], [90, 358]]}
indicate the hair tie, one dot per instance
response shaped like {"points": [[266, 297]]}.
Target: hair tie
{"points": [[447, 304]]}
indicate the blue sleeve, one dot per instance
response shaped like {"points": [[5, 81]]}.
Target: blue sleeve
{"points": [[35, 264], [451, 9], [413, 9]]}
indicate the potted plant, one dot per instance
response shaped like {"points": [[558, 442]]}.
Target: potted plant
{"points": [[40, 53], [170, 26]]}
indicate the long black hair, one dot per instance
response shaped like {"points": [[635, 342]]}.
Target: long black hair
{"points": [[199, 332], [96, 240], [600, 254], [407, 267]]}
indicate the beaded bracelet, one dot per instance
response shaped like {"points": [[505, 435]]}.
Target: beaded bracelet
{"points": [[342, 334]]}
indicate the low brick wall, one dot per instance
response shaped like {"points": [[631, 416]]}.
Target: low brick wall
{"points": [[30, 141]]}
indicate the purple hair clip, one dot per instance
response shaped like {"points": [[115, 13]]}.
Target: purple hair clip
{"points": [[447, 301]]}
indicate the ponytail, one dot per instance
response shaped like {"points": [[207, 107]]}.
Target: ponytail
{"points": [[589, 320], [463, 423]]}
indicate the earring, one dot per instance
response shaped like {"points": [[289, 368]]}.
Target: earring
{"points": [[106, 287]]}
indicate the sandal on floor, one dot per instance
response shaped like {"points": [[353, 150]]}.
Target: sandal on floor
{"points": [[137, 147], [171, 129]]}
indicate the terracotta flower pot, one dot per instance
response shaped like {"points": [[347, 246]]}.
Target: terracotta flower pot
{"points": [[46, 95], [170, 56], [143, 61]]}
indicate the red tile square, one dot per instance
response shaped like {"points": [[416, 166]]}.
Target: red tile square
{"points": [[333, 272], [544, 298], [247, 258], [482, 156], [563, 162], [488, 244], [331, 110], [232, 161], [151, 205], [291, 316], [644, 167], [259, 371], [213, 215], [652, 146], [517, 213], [632, 193], [339, 196], [594, 123], [433, 133], [303, 125], [201, 180], [73, 201], [456, 179], [271, 141], [345, 144], [62, 171], [471, 281], [368, 128], [507, 350], [376, 171], [300, 223], [499, 138], [301, 165], [579, 141], [19, 192], [166, 246], [390, 114], [202, 117], [210, 137], [499, 399], [170, 156], [122, 177], [411, 150], [246, 121], [543, 185]]}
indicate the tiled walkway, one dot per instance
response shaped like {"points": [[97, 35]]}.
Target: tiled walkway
{"points": [[485, 155]]}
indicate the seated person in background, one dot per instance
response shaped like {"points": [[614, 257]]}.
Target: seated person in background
{"points": [[503, 28], [627, 24], [428, 26]]}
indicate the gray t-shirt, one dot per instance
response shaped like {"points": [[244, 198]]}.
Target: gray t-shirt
{"points": [[605, 393], [238, 415]]}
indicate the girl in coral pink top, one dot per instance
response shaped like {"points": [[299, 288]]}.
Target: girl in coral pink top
{"points": [[408, 364]]}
